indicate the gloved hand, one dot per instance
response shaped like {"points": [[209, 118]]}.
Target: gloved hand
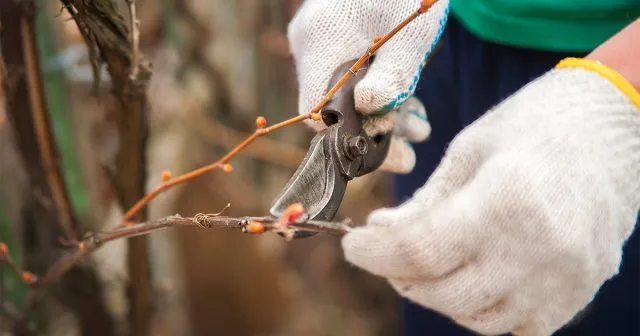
{"points": [[327, 33], [526, 215]]}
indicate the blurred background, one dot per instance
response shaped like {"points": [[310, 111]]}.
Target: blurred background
{"points": [[216, 66]]}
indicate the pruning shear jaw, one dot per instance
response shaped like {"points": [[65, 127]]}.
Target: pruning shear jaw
{"points": [[317, 184], [336, 155]]}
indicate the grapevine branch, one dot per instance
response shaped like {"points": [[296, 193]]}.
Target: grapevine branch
{"points": [[261, 130]]}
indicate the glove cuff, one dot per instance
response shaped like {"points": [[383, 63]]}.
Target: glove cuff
{"points": [[613, 76]]}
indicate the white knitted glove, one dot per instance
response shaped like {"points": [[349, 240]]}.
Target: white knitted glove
{"points": [[525, 217], [325, 34]]}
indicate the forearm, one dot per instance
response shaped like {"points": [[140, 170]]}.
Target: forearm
{"points": [[618, 53]]}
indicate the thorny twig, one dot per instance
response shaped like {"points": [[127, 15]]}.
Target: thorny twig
{"points": [[313, 114]]}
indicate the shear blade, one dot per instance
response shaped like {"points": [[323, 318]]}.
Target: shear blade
{"points": [[317, 184]]}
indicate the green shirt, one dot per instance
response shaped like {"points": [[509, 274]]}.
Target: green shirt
{"points": [[553, 25]]}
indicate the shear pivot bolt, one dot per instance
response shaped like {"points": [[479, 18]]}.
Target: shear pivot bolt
{"points": [[356, 146]]}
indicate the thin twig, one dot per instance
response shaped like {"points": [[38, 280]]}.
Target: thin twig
{"points": [[134, 39], [27, 277], [272, 151], [312, 114], [95, 240], [44, 137], [210, 167], [48, 212]]}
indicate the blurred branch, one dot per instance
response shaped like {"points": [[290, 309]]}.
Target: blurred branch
{"points": [[273, 151], [194, 53], [134, 39], [57, 95], [13, 317], [47, 214], [6, 258], [30, 117], [12, 286], [104, 28]]}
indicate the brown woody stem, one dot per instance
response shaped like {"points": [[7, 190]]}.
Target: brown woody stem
{"points": [[94, 241], [6, 258], [134, 39]]}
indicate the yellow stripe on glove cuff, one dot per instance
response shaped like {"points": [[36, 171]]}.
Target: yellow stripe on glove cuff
{"points": [[613, 76]]}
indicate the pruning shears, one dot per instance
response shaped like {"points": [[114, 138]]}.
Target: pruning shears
{"points": [[336, 155]]}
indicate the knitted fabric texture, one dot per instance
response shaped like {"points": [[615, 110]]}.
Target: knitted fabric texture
{"points": [[327, 33], [525, 217]]}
